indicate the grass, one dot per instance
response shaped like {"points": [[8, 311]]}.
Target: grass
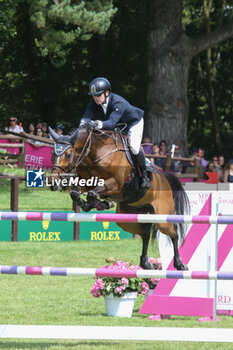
{"points": [[67, 300]]}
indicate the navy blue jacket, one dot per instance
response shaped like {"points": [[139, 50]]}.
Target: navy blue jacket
{"points": [[118, 111]]}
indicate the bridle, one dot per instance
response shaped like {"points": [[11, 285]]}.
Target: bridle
{"points": [[86, 150]]}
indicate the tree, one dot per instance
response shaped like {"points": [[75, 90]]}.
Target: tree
{"points": [[170, 52], [45, 59], [210, 83], [60, 22]]}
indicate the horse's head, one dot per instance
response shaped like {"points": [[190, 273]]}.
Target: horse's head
{"points": [[62, 156]]}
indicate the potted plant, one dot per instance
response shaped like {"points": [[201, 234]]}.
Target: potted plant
{"points": [[119, 293]]}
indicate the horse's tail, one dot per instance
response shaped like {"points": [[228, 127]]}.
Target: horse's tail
{"points": [[180, 198]]}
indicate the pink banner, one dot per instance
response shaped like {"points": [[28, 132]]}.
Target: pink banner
{"points": [[10, 150], [37, 156]]}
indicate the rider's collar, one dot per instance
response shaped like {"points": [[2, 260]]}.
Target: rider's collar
{"points": [[105, 104]]}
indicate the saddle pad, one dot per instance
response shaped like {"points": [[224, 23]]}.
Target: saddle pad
{"points": [[150, 166]]}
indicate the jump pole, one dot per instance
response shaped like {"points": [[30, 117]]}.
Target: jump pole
{"points": [[134, 218], [104, 272]]}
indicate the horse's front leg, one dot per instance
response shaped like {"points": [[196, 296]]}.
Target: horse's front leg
{"points": [[110, 186], [85, 206]]}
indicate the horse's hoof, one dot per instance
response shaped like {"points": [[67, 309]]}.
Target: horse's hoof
{"points": [[109, 204], [144, 263], [147, 267], [182, 267], [85, 207], [100, 206], [75, 195], [91, 198]]}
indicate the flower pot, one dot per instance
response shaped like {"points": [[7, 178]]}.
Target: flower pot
{"points": [[120, 306]]}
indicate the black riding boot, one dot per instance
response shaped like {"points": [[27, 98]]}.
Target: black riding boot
{"points": [[140, 159]]}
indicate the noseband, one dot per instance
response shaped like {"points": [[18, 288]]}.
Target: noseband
{"points": [[83, 154]]}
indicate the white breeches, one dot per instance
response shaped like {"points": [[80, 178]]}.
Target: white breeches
{"points": [[135, 136]]}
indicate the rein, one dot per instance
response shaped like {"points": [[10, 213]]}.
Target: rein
{"points": [[113, 151], [81, 155], [86, 150]]}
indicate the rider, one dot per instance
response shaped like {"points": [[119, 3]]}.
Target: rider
{"points": [[111, 109]]}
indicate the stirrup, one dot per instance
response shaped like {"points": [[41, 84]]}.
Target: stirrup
{"points": [[144, 183]]}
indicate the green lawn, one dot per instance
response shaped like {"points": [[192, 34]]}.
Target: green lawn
{"points": [[67, 300]]}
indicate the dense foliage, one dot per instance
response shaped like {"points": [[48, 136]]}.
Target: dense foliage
{"points": [[50, 50]]}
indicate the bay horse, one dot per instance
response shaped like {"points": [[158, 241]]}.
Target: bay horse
{"points": [[102, 154]]}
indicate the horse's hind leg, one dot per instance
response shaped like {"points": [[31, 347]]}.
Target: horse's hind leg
{"points": [[171, 231], [177, 260], [144, 263]]}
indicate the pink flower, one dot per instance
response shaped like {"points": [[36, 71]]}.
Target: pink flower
{"points": [[119, 290], [125, 281], [97, 287], [99, 283], [152, 260], [155, 280], [95, 292], [145, 288]]}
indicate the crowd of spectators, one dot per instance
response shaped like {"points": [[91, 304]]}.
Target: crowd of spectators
{"points": [[216, 164], [40, 129]]}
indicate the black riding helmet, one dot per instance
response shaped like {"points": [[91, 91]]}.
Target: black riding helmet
{"points": [[98, 86]]}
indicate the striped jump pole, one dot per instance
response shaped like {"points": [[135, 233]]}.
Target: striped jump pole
{"points": [[105, 272], [99, 217]]}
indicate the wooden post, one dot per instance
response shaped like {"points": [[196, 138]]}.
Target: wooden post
{"points": [[14, 207], [22, 155], [196, 167], [168, 163], [76, 232]]}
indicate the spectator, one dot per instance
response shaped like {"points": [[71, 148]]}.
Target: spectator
{"points": [[195, 152], [31, 129], [190, 169], [13, 126], [216, 164], [228, 173], [204, 163], [221, 162], [217, 168], [163, 148], [39, 125], [59, 129], [176, 165], [147, 145], [45, 129], [157, 161], [155, 149], [162, 152], [209, 168], [39, 132]]}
